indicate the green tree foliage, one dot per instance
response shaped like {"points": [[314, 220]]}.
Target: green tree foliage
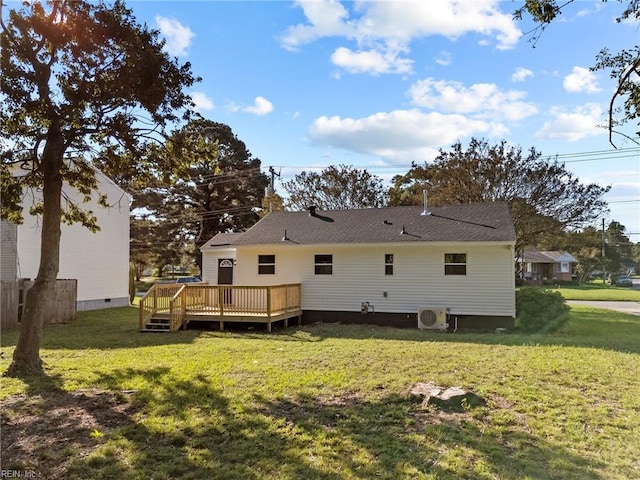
{"points": [[271, 203], [618, 248], [635, 255], [623, 66], [586, 246], [544, 197], [153, 243], [335, 188], [77, 77], [215, 186]]}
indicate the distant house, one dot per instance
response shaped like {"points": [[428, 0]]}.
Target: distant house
{"points": [[547, 265], [382, 266], [98, 261]]}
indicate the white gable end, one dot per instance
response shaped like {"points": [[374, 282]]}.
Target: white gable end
{"points": [[99, 261]]}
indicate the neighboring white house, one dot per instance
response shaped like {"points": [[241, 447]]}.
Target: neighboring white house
{"points": [[8, 251], [98, 261], [380, 265]]}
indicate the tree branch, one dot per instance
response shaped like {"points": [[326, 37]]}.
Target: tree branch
{"points": [[633, 68]]}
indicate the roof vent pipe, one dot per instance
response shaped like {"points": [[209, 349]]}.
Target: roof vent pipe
{"points": [[426, 211], [312, 210]]}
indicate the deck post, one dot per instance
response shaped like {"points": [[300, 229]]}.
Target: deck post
{"points": [[269, 302], [155, 299], [140, 315], [269, 309]]}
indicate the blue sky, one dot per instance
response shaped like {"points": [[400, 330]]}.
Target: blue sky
{"points": [[379, 84]]}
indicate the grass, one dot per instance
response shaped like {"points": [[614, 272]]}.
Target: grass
{"points": [[597, 292], [329, 401]]}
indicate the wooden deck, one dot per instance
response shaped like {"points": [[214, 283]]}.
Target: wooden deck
{"points": [[169, 307]]}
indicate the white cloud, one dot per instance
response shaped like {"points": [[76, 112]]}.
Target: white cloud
{"points": [[371, 61], [572, 126], [400, 135], [521, 74], [177, 35], [260, 107], [326, 18], [450, 18], [383, 29], [202, 101], [595, 7], [443, 58], [484, 100], [581, 80]]}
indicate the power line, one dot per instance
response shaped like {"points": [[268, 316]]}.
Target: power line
{"points": [[577, 157]]}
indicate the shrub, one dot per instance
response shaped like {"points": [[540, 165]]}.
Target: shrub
{"points": [[539, 310]]}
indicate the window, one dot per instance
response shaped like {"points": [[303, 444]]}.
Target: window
{"points": [[455, 263], [266, 264], [323, 264], [388, 264], [563, 267]]}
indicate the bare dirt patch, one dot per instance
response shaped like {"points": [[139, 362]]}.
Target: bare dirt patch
{"points": [[43, 434]]}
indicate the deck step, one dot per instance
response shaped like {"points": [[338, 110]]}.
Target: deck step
{"points": [[156, 325]]}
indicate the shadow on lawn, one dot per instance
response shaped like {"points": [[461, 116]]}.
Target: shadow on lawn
{"points": [[117, 328], [101, 329], [188, 429]]}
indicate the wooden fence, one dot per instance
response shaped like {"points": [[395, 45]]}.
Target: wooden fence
{"points": [[9, 304], [62, 310]]}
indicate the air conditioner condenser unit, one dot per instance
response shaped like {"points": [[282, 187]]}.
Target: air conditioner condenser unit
{"points": [[432, 318]]}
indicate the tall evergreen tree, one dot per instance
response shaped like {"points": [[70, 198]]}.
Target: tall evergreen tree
{"points": [[216, 185]]}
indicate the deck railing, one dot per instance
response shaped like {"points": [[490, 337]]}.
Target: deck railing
{"points": [[220, 301], [177, 309], [157, 299]]}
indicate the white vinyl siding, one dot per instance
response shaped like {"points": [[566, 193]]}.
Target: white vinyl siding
{"points": [[8, 251], [99, 261], [418, 280]]}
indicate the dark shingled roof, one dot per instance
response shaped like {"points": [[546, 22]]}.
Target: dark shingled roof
{"points": [[223, 239], [486, 222], [540, 256]]}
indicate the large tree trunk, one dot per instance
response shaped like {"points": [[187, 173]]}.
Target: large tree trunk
{"points": [[26, 357]]}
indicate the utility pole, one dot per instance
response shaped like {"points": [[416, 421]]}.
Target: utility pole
{"points": [[271, 188], [603, 239]]}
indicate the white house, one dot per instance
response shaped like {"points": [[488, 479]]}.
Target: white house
{"points": [[98, 261], [8, 251], [380, 266]]}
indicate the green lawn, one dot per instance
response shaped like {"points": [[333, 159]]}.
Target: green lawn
{"points": [[327, 402], [596, 291]]}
